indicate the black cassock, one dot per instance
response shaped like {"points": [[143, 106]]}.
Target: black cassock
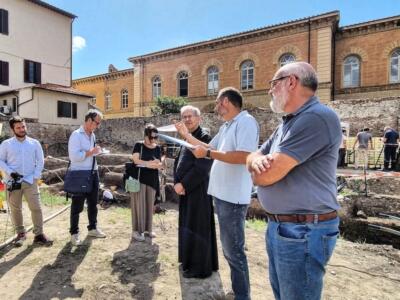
{"points": [[197, 244]]}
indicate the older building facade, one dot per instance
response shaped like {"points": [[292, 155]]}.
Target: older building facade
{"points": [[351, 61]]}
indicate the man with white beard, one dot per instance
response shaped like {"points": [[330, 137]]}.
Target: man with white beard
{"points": [[295, 170]]}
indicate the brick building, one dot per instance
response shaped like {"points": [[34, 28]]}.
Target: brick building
{"points": [[359, 61]]}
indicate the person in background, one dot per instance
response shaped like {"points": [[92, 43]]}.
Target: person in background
{"points": [[342, 150], [391, 142], [364, 141], [147, 158], [21, 158], [197, 244]]}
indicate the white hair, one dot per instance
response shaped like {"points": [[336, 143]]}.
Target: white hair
{"points": [[192, 108]]}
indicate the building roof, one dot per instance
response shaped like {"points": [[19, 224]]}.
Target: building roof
{"points": [[105, 75], [371, 22], [244, 34], [53, 8], [51, 87]]}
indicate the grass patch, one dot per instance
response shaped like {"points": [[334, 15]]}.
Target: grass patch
{"points": [[49, 199], [256, 224]]}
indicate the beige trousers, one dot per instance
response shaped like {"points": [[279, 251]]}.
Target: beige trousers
{"points": [[361, 158], [32, 196], [142, 204]]}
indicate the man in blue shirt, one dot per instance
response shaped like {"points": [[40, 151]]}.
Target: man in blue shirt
{"points": [[295, 170], [22, 156], [82, 150], [391, 142], [230, 183]]}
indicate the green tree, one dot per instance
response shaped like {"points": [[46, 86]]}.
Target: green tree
{"points": [[168, 105]]}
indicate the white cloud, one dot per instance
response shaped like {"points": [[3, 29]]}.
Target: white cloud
{"points": [[78, 43]]}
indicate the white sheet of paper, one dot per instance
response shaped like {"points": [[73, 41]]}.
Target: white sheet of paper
{"points": [[167, 128], [175, 141], [103, 151]]}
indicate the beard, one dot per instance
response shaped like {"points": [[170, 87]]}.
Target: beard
{"points": [[20, 135], [278, 103]]}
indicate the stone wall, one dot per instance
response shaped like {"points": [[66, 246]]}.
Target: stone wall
{"points": [[121, 134]]}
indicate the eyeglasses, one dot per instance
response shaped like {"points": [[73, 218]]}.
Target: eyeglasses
{"points": [[188, 117], [274, 82], [153, 137]]}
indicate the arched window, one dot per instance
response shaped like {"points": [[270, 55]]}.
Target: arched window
{"points": [[156, 86], [124, 99], [351, 71], [395, 66], [107, 104], [286, 58], [212, 80], [247, 75], [183, 84]]}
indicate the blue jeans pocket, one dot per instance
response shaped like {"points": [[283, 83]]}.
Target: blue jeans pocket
{"points": [[329, 243], [292, 233]]}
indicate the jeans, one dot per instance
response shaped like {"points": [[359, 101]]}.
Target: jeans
{"points": [[231, 219], [77, 207], [298, 254], [389, 157]]}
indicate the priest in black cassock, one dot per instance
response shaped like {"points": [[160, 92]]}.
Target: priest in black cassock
{"points": [[197, 244]]}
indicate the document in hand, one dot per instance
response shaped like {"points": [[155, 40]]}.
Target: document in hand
{"points": [[171, 139]]}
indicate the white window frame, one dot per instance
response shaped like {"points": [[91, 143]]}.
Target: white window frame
{"points": [[351, 64], [156, 86], [286, 58], [182, 76], [212, 80], [107, 102], [247, 75], [124, 99], [394, 63]]}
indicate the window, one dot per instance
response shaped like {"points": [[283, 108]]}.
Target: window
{"points": [[156, 86], [247, 78], [212, 80], [351, 72], [32, 72], [66, 109], [3, 21], [124, 99], [286, 58], [93, 100], [183, 84], [4, 102], [107, 104], [395, 66], [14, 104], [4, 73]]}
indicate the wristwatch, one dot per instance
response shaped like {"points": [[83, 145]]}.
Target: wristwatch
{"points": [[208, 154]]}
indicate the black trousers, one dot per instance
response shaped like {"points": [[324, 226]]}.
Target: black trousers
{"points": [[78, 202], [389, 157], [341, 157]]}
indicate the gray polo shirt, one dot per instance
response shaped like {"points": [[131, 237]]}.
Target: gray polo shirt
{"points": [[363, 139], [312, 137], [232, 182]]}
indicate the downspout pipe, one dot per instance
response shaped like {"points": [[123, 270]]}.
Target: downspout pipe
{"points": [[309, 40]]}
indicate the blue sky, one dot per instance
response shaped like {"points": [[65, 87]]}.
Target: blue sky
{"points": [[110, 31]]}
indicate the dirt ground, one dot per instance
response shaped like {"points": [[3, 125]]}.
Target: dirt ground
{"points": [[116, 268]]}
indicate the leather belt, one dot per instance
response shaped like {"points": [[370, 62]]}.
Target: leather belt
{"points": [[303, 218]]}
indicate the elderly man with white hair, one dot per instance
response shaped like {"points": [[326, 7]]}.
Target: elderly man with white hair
{"points": [[197, 242], [295, 170]]}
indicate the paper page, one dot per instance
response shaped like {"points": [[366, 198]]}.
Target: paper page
{"points": [[175, 141]]}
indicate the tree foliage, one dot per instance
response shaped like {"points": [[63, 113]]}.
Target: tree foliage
{"points": [[168, 105]]}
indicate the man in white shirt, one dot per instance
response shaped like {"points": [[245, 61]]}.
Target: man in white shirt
{"points": [[21, 158], [82, 150]]}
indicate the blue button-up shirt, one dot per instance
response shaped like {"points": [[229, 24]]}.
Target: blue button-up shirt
{"points": [[79, 143], [24, 157]]}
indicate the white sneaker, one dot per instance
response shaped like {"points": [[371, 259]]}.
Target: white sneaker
{"points": [[97, 233], [75, 240], [150, 234], [138, 236]]}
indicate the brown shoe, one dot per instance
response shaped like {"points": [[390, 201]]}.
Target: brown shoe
{"points": [[21, 237], [42, 240]]}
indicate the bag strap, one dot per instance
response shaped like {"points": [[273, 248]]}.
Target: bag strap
{"points": [[140, 157]]}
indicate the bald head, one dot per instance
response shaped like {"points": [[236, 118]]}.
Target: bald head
{"points": [[303, 71]]}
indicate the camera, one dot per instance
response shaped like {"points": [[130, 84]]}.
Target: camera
{"points": [[14, 183]]}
